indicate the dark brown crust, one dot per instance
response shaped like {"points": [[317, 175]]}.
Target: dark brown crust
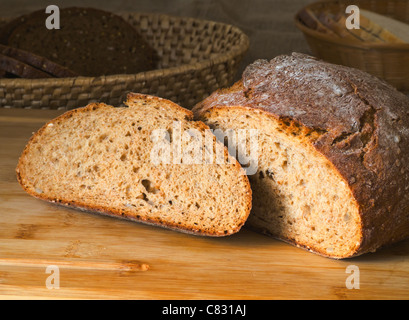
{"points": [[36, 61], [114, 212], [363, 126], [21, 69]]}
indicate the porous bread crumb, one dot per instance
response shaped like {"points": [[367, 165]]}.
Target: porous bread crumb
{"points": [[298, 196], [98, 158]]}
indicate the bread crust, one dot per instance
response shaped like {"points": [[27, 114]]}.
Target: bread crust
{"points": [[36, 61], [19, 68], [116, 212], [361, 125]]}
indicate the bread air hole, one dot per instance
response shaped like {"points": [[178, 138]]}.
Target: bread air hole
{"points": [[150, 187]]}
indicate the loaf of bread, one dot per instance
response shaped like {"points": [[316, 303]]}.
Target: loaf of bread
{"points": [[90, 42], [106, 160], [333, 164]]}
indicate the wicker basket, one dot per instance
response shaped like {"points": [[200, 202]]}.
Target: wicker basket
{"points": [[387, 61], [197, 57]]}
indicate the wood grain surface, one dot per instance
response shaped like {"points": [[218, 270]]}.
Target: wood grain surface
{"points": [[106, 258]]}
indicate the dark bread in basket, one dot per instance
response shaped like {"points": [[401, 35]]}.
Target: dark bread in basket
{"points": [[25, 64], [90, 42]]}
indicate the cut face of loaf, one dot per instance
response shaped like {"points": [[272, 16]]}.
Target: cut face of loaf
{"points": [[298, 195], [100, 158]]}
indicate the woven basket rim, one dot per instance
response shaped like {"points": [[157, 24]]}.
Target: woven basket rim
{"points": [[218, 58], [340, 41]]}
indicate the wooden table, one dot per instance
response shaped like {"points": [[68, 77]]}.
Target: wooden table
{"points": [[106, 258]]}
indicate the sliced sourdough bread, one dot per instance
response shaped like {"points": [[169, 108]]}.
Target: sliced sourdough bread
{"points": [[333, 160], [104, 159]]}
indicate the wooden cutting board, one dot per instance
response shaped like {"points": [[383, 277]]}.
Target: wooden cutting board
{"points": [[94, 257]]}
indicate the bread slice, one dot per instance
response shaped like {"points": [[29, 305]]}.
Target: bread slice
{"points": [[103, 159], [90, 42], [20, 69], [37, 62], [333, 169], [394, 30]]}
